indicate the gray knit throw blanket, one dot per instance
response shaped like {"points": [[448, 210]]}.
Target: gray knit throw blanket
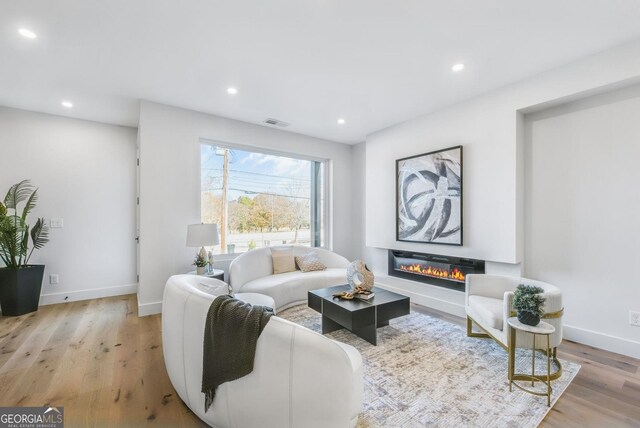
{"points": [[230, 337]]}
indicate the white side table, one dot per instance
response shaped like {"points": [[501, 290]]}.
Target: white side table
{"points": [[216, 274], [542, 329]]}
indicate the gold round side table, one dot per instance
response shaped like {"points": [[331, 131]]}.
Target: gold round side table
{"points": [[542, 329]]}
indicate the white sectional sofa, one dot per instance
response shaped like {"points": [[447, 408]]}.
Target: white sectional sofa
{"points": [[252, 272], [300, 378]]}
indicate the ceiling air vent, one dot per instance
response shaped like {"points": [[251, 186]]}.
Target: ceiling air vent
{"points": [[276, 122]]}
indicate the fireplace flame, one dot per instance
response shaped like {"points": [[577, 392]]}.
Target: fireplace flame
{"points": [[435, 272]]}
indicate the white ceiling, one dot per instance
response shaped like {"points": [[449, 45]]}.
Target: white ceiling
{"points": [[306, 62]]}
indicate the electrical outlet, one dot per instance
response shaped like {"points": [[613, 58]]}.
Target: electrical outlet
{"points": [[54, 278], [634, 318], [56, 223]]}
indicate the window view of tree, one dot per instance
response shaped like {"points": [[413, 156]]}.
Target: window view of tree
{"points": [[259, 200]]}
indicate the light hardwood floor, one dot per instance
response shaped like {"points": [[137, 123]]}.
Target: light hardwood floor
{"points": [[105, 366]]}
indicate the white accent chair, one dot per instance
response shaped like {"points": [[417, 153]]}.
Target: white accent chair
{"points": [[489, 302], [300, 378], [252, 272]]}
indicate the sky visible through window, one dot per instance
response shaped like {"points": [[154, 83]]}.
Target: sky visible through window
{"points": [[255, 172], [267, 198]]}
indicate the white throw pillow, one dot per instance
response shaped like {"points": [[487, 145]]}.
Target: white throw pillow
{"points": [[283, 260], [310, 262]]}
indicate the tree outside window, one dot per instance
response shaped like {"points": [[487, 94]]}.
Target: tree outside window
{"points": [[258, 200]]}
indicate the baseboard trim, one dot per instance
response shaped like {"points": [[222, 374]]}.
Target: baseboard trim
{"points": [[146, 309], [619, 345], [428, 301], [596, 339], [96, 293]]}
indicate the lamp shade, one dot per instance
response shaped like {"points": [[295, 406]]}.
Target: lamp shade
{"points": [[202, 235]]}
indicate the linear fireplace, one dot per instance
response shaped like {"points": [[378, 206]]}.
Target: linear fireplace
{"points": [[444, 271]]}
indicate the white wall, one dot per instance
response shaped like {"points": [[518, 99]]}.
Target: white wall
{"points": [[489, 186], [86, 175], [490, 128], [358, 186], [583, 207], [170, 186]]}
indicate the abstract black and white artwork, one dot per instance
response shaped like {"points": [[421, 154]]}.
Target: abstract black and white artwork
{"points": [[429, 197]]}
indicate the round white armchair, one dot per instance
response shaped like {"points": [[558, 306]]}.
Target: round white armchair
{"points": [[489, 303]]}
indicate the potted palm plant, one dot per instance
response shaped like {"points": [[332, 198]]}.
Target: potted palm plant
{"points": [[20, 282]]}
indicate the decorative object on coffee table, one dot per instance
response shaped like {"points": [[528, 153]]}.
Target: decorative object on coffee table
{"points": [[20, 282], [357, 293], [344, 295], [429, 197], [359, 276], [528, 302]]}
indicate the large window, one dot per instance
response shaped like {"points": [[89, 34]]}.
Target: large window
{"points": [[259, 199]]}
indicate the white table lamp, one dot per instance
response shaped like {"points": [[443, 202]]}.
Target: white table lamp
{"points": [[201, 235]]}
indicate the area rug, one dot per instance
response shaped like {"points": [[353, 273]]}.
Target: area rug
{"points": [[426, 372]]}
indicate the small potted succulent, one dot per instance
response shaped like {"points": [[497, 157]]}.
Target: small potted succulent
{"points": [[528, 302], [200, 262]]}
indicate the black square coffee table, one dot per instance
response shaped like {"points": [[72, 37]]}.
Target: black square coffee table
{"points": [[361, 317]]}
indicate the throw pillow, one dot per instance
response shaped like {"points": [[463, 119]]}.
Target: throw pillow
{"points": [[310, 262], [283, 260]]}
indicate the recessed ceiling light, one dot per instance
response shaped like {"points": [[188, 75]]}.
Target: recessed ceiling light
{"points": [[341, 121], [458, 67], [27, 33], [232, 91], [67, 104]]}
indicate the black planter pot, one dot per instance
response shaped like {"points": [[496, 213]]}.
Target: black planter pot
{"points": [[529, 318], [20, 289]]}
